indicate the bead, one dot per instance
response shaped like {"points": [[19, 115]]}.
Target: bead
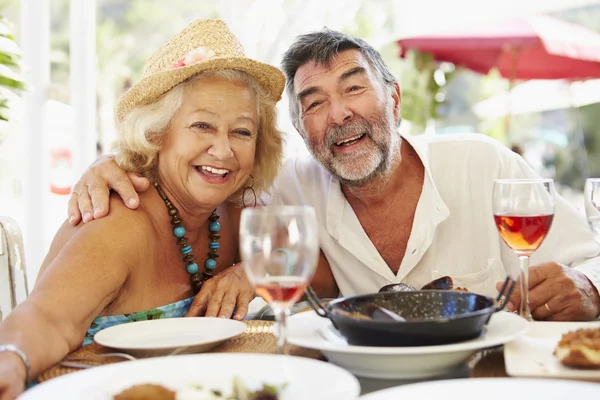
{"points": [[162, 194], [192, 268], [179, 231], [210, 264], [196, 284], [196, 279], [214, 227], [187, 249]]}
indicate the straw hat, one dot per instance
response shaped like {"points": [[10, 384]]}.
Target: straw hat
{"points": [[204, 45]]}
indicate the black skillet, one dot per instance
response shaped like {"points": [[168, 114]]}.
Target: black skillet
{"points": [[432, 317]]}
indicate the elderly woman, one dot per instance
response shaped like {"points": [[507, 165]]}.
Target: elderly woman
{"points": [[201, 126]]}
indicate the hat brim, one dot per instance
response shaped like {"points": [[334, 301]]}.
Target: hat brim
{"points": [[154, 86]]}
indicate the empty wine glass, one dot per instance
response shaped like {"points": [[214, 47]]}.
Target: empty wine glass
{"points": [[591, 197], [523, 211], [279, 248]]}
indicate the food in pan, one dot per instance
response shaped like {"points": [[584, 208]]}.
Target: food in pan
{"points": [[443, 283], [461, 289], [580, 348], [354, 314]]}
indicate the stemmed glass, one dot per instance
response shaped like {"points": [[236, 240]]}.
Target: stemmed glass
{"points": [[523, 212], [591, 196], [279, 248]]}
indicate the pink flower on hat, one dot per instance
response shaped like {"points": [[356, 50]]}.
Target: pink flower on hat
{"points": [[194, 56]]}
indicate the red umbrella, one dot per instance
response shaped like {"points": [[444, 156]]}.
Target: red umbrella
{"points": [[538, 47]]}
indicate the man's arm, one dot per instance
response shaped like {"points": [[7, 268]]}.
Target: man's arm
{"points": [[565, 274], [91, 193], [323, 282], [283, 192], [569, 269]]}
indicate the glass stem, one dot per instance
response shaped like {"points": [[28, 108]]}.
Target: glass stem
{"points": [[524, 310], [281, 317]]}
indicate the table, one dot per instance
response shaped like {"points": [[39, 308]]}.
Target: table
{"points": [[259, 338]]}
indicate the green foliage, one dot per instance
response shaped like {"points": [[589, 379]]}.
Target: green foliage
{"points": [[10, 68], [569, 168], [590, 125], [422, 93]]}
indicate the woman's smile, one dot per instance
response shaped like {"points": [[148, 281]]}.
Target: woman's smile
{"points": [[213, 175]]}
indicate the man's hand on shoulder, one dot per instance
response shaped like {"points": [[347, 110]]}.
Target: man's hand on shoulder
{"points": [[90, 197]]}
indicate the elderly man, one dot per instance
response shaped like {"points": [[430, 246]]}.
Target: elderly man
{"points": [[396, 208]]}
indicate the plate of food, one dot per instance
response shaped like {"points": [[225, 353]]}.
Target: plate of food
{"points": [[169, 336], [230, 376], [416, 362], [490, 389], [568, 350]]}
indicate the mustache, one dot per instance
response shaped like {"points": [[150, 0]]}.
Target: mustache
{"points": [[352, 128]]}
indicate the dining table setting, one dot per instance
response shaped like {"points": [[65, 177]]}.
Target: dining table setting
{"points": [[317, 363], [399, 343]]}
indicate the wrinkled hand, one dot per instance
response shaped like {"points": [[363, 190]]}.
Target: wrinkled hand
{"points": [[558, 293], [221, 294], [12, 376], [91, 193]]}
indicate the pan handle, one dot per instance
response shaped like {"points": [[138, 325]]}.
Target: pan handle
{"points": [[315, 303], [505, 292]]}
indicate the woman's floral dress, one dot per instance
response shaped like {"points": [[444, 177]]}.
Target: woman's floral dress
{"points": [[173, 310]]}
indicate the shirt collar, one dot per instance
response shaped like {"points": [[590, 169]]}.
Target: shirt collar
{"points": [[431, 210], [419, 143], [336, 199]]}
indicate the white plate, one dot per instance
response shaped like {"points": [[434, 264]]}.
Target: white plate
{"points": [[532, 354], [304, 378], [313, 332], [490, 389], [165, 336]]}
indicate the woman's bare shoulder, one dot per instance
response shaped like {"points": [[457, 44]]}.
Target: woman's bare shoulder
{"points": [[89, 265], [132, 228]]}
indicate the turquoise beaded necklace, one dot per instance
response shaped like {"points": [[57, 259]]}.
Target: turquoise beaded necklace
{"points": [[197, 278]]}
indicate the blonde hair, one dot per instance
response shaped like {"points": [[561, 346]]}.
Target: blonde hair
{"points": [[142, 131]]}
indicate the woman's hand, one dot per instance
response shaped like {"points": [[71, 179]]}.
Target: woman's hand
{"points": [[12, 376], [223, 293]]}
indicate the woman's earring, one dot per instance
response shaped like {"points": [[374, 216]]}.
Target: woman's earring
{"points": [[249, 189]]}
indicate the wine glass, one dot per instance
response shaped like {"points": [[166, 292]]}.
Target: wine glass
{"points": [[523, 212], [591, 197], [279, 248]]}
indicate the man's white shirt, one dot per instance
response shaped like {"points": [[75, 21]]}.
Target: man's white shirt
{"points": [[453, 231]]}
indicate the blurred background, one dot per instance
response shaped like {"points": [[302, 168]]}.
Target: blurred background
{"points": [[64, 64]]}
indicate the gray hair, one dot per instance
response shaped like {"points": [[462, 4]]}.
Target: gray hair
{"points": [[322, 47]]}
